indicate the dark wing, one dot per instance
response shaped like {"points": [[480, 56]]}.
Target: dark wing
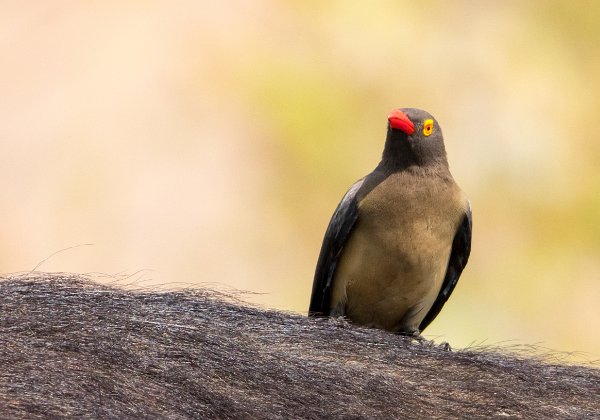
{"points": [[461, 248], [337, 234]]}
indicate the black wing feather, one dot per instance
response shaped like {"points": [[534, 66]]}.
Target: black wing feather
{"points": [[338, 232], [461, 248]]}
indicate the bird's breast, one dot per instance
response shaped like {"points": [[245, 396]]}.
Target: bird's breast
{"points": [[394, 262]]}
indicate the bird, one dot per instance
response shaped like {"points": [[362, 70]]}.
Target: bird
{"points": [[400, 238]]}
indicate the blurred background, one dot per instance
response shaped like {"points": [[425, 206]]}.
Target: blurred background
{"points": [[209, 143]]}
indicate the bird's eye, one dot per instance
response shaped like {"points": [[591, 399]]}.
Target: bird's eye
{"points": [[427, 128]]}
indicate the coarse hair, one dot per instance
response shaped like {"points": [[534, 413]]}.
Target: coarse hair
{"points": [[72, 347]]}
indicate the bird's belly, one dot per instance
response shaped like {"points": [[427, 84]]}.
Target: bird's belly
{"points": [[389, 277]]}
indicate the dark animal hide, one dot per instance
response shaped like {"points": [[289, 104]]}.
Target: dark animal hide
{"points": [[73, 348]]}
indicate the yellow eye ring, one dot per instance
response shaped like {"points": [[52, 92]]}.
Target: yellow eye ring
{"points": [[427, 128]]}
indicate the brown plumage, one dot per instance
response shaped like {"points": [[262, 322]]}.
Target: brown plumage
{"points": [[401, 236]]}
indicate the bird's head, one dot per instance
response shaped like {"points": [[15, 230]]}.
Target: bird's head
{"points": [[414, 137]]}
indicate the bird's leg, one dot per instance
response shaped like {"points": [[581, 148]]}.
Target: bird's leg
{"points": [[416, 336], [444, 345]]}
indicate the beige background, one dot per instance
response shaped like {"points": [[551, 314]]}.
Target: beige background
{"points": [[209, 142]]}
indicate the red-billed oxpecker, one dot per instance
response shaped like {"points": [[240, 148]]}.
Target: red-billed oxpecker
{"points": [[401, 236]]}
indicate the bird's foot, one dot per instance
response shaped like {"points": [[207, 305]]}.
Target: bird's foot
{"points": [[415, 337], [444, 345], [419, 339]]}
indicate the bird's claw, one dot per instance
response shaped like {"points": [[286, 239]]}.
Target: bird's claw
{"points": [[444, 345]]}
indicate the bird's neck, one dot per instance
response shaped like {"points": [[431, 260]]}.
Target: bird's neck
{"points": [[399, 154]]}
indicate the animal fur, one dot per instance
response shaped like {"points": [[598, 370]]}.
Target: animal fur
{"points": [[70, 347]]}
